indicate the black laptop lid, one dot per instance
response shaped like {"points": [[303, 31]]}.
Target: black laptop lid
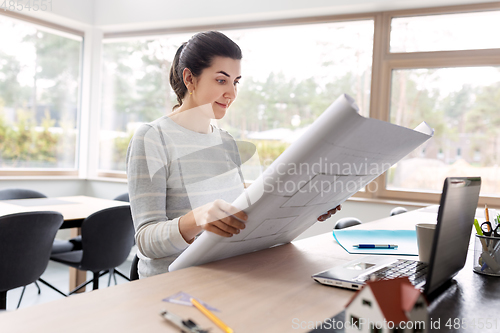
{"points": [[453, 230]]}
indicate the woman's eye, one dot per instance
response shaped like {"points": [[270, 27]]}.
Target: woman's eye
{"points": [[236, 82], [221, 81]]}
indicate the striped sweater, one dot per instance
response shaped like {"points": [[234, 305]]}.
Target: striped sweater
{"points": [[172, 170]]}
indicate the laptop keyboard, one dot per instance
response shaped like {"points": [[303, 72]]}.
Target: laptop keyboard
{"points": [[416, 271]]}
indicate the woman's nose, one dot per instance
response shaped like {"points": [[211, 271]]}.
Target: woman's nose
{"points": [[231, 92]]}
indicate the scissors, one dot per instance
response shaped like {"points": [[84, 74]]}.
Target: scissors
{"points": [[488, 230]]}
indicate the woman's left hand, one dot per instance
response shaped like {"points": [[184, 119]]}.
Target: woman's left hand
{"points": [[327, 215]]}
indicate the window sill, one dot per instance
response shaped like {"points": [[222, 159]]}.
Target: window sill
{"points": [[391, 202], [40, 178], [108, 179]]}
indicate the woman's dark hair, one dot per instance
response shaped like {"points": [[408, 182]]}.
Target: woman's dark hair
{"points": [[197, 54]]}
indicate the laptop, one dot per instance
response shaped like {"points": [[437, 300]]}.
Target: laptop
{"points": [[449, 249]]}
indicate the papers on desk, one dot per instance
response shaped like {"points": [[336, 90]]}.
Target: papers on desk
{"points": [[405, 239]]}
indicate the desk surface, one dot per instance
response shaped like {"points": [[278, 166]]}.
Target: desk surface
{"points": [[264, 291], [72, 208]]}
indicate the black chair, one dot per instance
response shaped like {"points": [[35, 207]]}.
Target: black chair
{"points": [[20, 264], [75, 243], [398, 210], [123, 197], [346, 222], [134, 273], [20, 193], [107, 238]]}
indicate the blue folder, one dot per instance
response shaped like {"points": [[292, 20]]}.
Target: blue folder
{"points": [[405, 239]]}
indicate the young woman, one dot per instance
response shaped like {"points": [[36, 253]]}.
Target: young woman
{"points": [[182, 171]]}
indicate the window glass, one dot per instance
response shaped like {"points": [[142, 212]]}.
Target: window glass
{"points": [[464, 31], [39, 96], [355, 323], [290, 75], [463, 107], [135, 90]]}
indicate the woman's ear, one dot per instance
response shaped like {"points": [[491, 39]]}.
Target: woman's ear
{"points": [[189, 79]]}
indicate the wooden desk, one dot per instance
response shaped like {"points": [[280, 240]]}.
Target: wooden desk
{"points": [[264, 291], [74, 210]]}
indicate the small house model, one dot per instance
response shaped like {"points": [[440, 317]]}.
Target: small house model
{"points": [[387, 306]]}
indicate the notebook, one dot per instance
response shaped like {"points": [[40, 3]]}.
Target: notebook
{"points": [[455, 219]]}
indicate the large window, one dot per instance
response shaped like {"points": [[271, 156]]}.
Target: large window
{"points": [[39, 97], [463, 106], [440, 65], [436, 71], [437, 65], [290, 75], [135, 89], [446, 32]]}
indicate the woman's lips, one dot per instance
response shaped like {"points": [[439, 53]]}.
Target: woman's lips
{"points": [[221, 105]]}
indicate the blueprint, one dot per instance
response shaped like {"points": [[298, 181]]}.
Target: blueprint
{"points": [[338, 155]]}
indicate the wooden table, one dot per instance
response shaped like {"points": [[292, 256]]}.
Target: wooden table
{"points": [[265, 291], [74, 210]]}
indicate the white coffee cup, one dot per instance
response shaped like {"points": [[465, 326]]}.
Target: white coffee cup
{"points": [[425, 237]]}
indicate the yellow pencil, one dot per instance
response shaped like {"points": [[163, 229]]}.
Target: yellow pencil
{"points": [[487, 215], [211, 316]]}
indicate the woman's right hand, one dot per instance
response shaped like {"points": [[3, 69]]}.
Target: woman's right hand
{"points": [[218, 217]]}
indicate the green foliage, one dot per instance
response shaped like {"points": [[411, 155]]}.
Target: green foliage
{"points": [[120, 146], [24, 145], [11, 92], [467, 119], [38, 113], [272, 103], [137, 95], [58, 62], [269, 150]]}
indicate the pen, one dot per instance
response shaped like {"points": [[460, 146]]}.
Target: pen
{"points": [[376, 246], [211, 316]]}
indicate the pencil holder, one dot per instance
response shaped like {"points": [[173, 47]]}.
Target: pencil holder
{"points": [[487, 255]]}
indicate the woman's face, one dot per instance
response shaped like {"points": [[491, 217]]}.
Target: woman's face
{"points": [[217, 85]]}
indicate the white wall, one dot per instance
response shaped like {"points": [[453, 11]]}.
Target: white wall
{"points": [[62, 187], [76, 14], [49, 187], [126, 15], [105, 189]]}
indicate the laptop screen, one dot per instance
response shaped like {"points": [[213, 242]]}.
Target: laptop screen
{"points": [[453, 230]]}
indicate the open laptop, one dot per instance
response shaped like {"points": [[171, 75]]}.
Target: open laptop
{"points": [[449, 249]]}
